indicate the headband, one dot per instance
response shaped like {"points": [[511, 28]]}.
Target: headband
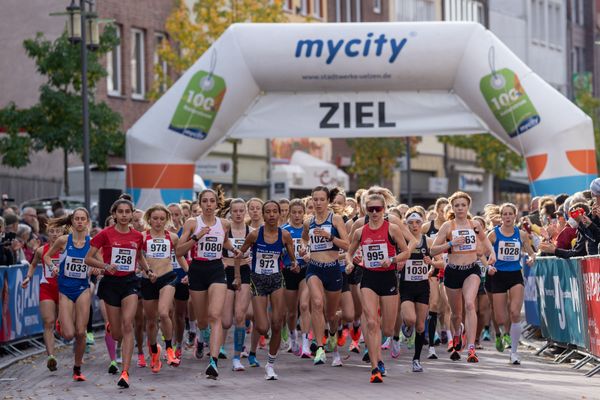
{"points": [[414, 217]]}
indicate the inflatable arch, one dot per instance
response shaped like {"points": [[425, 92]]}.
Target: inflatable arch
{"points": [[357, 80]]}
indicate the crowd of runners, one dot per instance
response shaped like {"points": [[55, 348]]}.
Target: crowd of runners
{"points": [[313, 277]]}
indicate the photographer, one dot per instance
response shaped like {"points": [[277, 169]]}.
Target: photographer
{"points": [[588, 234], [6, 254]]}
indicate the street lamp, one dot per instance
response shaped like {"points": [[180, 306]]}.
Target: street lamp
{"points": [[82, 28]]}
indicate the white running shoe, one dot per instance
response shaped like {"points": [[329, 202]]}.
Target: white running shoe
{"points": [[237, 365], [416, 366], [285, 346], [337, 360], [515, 359], [432, 355], [395, 348], [270, 374], [386, 344]]}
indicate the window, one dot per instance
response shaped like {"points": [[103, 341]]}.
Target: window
{"points": [[463, 10], [113, 67], [578, 63], [415, 10], [538, 21], [577, 11], [159, 37], [317, 8], [287, 5], [377, 6], [137, 64], [555, 24], [304, 7]]}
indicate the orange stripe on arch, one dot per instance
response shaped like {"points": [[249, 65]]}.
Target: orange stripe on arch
{"points": [[536, 165], [583, 160], [160, 176]]}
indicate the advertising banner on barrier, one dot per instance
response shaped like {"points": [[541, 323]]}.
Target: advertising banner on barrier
{"points": [[591, 281], [560, 302], [23, 304], [532, 315], [5, 317]]}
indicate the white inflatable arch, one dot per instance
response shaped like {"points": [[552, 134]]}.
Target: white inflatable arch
{"points": [[357, 80]]}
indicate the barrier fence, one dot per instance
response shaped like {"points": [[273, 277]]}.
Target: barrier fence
{"points": [[20, 307]]}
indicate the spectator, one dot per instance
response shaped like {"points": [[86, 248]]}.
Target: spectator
{"points": [[588, 235], [6, 254], [566, 233], [12, 222], [22, 247], [534, 212], [29, 217]]}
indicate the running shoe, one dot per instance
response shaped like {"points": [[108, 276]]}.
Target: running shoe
{"points": [[395, 348], [320, 357], [455, 356], [172, 360], [286, 345], [450, 345], [381, 368], [198, 349], [89, 339], [337, 360], [376, 376], [506, 340], [252, 361], [410, 342], [306, 354], [499, 344], [270, 374], [124, 380], [436, 339], [212, 372], [262, 343], [444, 338], [244, 353], [51, 363], [354, 333], [113, 368], [296, 349], [472, 357], [432, 355], [478, 346], [78, 377], [341, 340], [237, 365], [331, 343], [178, 352], [407, 331], [141, 362], [155, 363], [366, 358], [222, 353], [354, 346], [386, 344], [416, 366], [515, 359], [313, 347], [191, 339], [485, 336]]}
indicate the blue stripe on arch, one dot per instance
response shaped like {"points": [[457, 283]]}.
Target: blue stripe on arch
{"points": [[565, 184], [176, 195]]}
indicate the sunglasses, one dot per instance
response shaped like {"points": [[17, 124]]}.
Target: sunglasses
{"points": [[375, 209]]}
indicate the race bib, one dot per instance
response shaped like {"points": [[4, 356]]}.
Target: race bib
{"points": [[509, 251], [342, 259], [75, 268], [266, 263], [174, 261], [48, 268], [482, 269], [210, 247], [158, 248], [320, 243], [374, 254], [470, 240], [416, 271], [124, 259], [297, 247]]}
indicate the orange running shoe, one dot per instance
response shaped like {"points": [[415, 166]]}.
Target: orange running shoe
{"points": [[472, 357], [376, 376], [450, 345], [341, 341], [124, 380], [262, 342], [355, 333], [171, 359], [141, 360], [156, 364], [78, 376]]}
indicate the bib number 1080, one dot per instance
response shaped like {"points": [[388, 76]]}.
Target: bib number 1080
{"points": [[209, 246]]}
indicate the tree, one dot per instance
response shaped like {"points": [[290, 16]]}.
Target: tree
{"points": [[374, 159], [192, 32], [492, 155], [56, 121], [590, 105]]}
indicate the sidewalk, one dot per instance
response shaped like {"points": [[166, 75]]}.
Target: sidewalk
{"points": [[492, 378]]}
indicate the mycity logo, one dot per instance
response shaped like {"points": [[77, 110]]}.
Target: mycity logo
{"points": [[330, 48]]}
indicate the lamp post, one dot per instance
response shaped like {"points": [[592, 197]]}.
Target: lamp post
{"points": [[82, 26]]}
